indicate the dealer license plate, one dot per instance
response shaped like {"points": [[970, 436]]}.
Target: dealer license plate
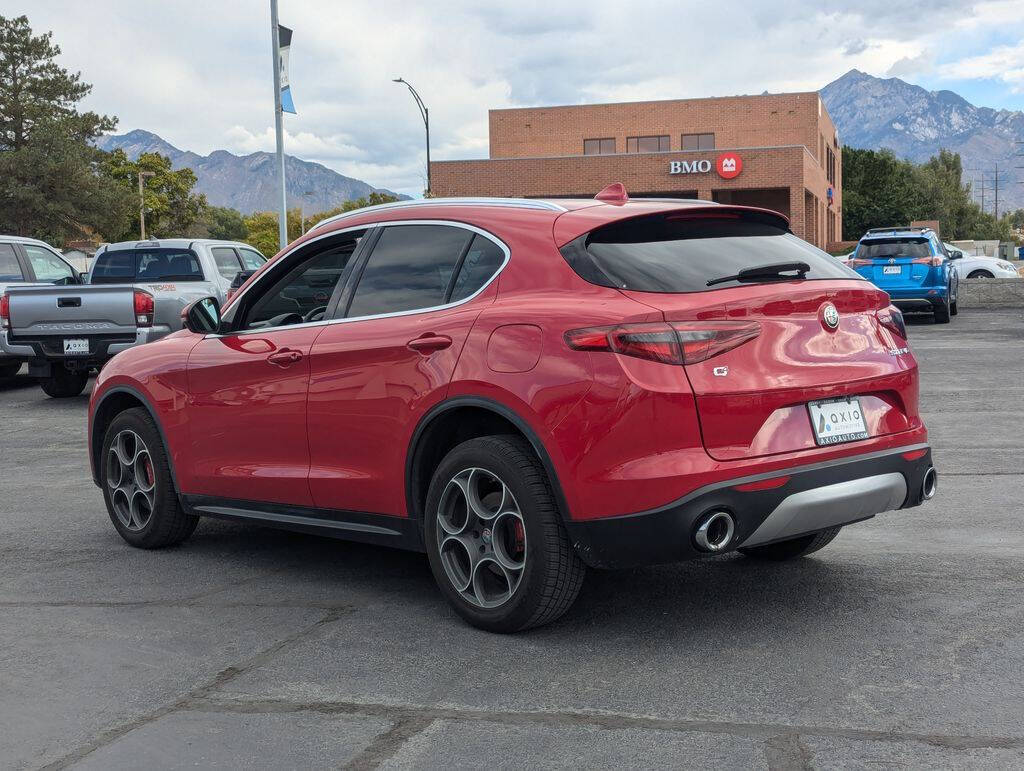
{"points": [[76, 345], [891, 270], [837, 420]]}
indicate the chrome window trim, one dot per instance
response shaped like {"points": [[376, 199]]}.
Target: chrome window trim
{"points": [[366, 226], [518, 203]]}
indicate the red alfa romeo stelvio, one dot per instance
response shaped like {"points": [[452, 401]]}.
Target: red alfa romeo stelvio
{"points": [[522, 389]]}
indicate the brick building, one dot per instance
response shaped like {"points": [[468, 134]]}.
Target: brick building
{"points": [[779, 151]]}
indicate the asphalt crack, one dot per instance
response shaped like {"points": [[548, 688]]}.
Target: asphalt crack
{"points": [[387, 744], [788, 752], [607, 720], [200, 692]]}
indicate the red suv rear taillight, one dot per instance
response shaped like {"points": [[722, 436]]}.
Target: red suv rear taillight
{"points": [[682, 342], [143, 308], [892, 319], [5, 311]]}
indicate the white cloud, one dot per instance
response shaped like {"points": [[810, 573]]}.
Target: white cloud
{"points": [[198, 72], [1005, 63]]}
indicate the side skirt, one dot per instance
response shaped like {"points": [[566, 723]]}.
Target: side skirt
{"points": [[379, 529]]}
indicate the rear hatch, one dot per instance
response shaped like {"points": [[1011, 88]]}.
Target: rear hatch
{"points": [[897, 263], [774, 349]]}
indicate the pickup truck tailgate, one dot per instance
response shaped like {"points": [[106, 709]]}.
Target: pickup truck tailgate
{"points": [[72, 310]]}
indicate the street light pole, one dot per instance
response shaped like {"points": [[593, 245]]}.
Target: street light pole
{"points": [[425, 114], [142, 204], [282, 217]]}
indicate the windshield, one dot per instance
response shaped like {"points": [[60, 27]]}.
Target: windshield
{"points": [[682, 252], [894, 247]]}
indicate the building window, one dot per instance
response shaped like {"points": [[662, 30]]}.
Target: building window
{"points": [[698, 141], [658, 144], [599, 146], [830, 168]]}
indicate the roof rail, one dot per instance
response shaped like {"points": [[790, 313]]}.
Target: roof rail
{"points": [[519, 203], [917, 228]]}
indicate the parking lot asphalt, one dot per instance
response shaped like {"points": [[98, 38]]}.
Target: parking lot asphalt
{"points": [[900, 644]]}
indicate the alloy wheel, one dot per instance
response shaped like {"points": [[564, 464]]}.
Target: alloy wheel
{"points": [[481, 538], [131, 479]]}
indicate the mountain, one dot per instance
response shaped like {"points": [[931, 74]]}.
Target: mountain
{"points": [[249, 182], [916, 123]]}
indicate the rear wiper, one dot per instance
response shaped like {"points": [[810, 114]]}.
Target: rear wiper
{"points": [[773, 272]]}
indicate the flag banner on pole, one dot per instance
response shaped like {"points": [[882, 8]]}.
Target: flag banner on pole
{"points": [[284, 37]]}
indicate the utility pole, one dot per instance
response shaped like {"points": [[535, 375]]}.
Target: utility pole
{"points": [[142, 204], [997, 190], [282, 217]]}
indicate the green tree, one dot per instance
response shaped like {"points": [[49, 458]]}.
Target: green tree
{"points": [[220, 222], [879, 189], [51, 182], [373, 199], [262, 226], [171, 207]]}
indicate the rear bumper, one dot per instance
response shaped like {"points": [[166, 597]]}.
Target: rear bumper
{"points": [[919, 295], [809, 498], [101, 347]]}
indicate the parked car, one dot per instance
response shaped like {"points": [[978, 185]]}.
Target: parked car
{"points": [[135, 293], [912, 266], [28, 262], [979, 266], [522, 388]]}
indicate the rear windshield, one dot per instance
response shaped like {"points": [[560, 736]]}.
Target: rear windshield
{"points": [[677, 252], [126, 266], [894, 247]]}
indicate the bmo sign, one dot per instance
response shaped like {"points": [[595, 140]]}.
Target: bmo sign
{"points": [[728, 165]]}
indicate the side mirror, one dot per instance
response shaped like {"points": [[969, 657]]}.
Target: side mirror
{"points": [[83, 277], [240, 278], [956, 255], [202, 316]]}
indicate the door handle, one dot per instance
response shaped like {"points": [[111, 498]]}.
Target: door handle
{"points": [[285, 357], [427, 344]]}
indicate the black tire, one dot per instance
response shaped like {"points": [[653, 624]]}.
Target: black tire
{"points": [[10, 370], [980, 274], [942, 312], [168, 524], [794, 547], [953, 309], [64, 383], [552, 574]]}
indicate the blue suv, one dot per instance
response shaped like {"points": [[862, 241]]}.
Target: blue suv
{"points": [[912, 266]]}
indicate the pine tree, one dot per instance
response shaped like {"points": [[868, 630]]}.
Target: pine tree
{"points": [[51, 184]]}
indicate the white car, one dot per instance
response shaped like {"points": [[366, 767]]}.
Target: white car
{"points": [[972, 266]]}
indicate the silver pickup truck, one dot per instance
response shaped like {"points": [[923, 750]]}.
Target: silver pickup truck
{"points": [[134, 294], [28, 262]]}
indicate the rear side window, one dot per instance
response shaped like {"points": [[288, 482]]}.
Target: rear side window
{"points": [[126, 266], [226, 260], [681, 252], [10, 268], [894, 247], [410, 268], [481, 262], [251, 259]]}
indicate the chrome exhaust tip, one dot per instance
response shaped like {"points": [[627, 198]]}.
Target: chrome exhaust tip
{"points": [[930, 484], [715, 531]]}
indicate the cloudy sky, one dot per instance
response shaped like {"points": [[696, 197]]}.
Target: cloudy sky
{"points": [[199, 73]]}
